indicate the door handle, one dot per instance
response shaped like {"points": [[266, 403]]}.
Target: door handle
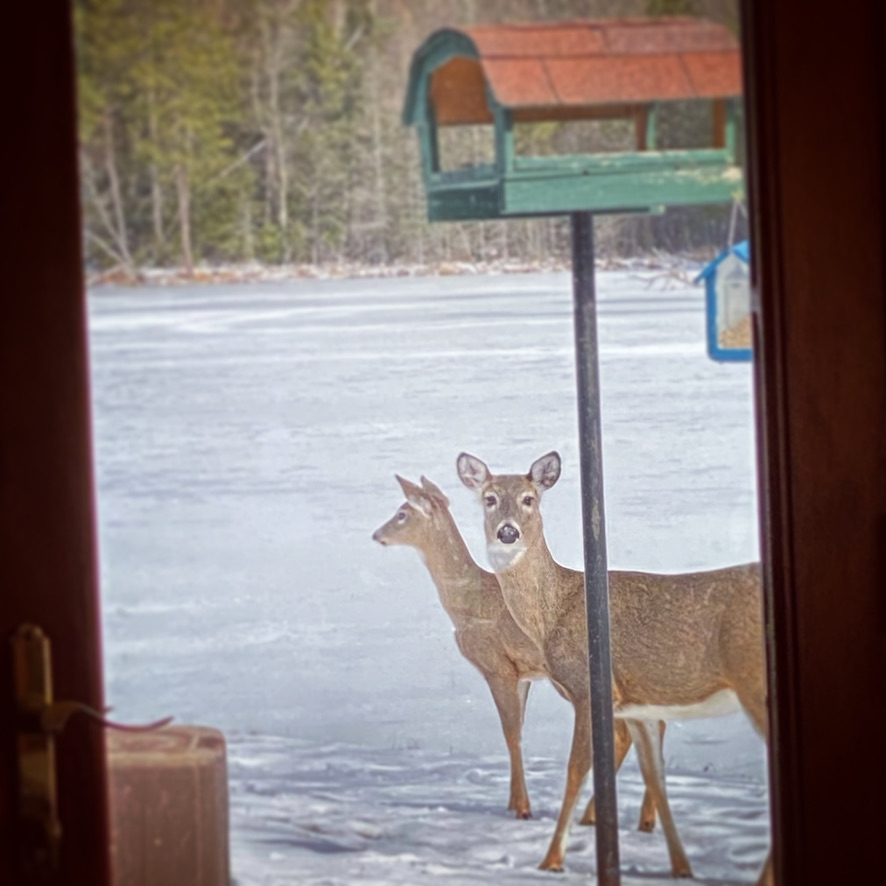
{"points": [[37, 789], [40, 720]]}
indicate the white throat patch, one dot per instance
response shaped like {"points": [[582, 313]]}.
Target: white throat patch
{"points": [[502, 556]]}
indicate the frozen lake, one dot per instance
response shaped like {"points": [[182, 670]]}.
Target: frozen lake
{"points": [[246, 443]]}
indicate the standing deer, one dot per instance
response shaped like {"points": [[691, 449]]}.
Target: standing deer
{"points": [[485, 632], [682, 645]]}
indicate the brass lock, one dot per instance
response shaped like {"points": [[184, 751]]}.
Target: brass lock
{"points": [[38, 795], [40, 719]]}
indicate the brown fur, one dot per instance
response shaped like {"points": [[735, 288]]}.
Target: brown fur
{"points": [[485, 631], [675, 639]]}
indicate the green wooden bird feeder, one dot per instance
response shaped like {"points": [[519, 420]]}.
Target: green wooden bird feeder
{"points": [[504, 75]]}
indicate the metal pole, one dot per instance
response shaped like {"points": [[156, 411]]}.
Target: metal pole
{"points": [[596, 571]]}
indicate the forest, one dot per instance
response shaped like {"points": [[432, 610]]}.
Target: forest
{"points": [[268, 131]]}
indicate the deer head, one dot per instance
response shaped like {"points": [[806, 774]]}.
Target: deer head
{"points": [[512, 520], [416, 517]]}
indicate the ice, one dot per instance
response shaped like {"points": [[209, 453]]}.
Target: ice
{"points": [[247, 438]]}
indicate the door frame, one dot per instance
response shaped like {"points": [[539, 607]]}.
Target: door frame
{"points": [[815, 116], [48, 563]]}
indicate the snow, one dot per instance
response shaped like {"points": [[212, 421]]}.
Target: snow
{"points": [[247, 437], [347, 814]]}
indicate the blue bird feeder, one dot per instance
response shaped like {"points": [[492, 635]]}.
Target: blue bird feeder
{"points": [[727, 282]]}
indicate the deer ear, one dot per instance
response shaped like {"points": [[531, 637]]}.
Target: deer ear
{"points": [[545, 472], [415, 495], [472, 472], [434, 492]]}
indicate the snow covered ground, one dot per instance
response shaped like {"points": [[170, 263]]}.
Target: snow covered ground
{"points": [[247, 438]]}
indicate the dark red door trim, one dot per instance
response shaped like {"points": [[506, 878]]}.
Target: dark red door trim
{"points": [[47, 528], [813, 78]]}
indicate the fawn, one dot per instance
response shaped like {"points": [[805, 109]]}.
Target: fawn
{"points": [[683, 646], [485, 632]]}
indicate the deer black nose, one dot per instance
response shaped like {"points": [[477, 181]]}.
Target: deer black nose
{"points": [[508, 534]]}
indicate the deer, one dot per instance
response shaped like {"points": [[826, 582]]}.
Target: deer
{"points": [[485, 632], [684, 645]]}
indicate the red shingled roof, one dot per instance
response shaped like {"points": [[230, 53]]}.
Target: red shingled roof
{"points": [[569, 65]]}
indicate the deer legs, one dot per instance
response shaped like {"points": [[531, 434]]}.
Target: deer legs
{"points": [[510, 700], [646, 736], [623, 742], [576, 773]]}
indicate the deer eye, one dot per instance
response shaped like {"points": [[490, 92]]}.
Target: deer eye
{"points": [[401, 516], [528, 501], [491, 501]]}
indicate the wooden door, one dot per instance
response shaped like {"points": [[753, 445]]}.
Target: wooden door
{"points": [[47, 537], [815, 98]]}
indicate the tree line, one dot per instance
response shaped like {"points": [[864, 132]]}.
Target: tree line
{"points": [[228, 131]]}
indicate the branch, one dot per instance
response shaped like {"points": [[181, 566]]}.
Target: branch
{"points": [[355, 38], [237, 163], [97, 202], [103, 244]]}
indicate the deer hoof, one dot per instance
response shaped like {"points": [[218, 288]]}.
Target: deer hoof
{"points": [[551, 865]]}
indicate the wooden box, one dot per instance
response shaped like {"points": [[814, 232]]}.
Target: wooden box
{"points": [[169, 807]]}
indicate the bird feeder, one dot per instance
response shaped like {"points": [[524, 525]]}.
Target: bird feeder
{"points": [[502, 76], [728, 304]]}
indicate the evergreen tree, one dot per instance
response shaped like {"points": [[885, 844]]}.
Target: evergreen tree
{"points": [[228, 130]]}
